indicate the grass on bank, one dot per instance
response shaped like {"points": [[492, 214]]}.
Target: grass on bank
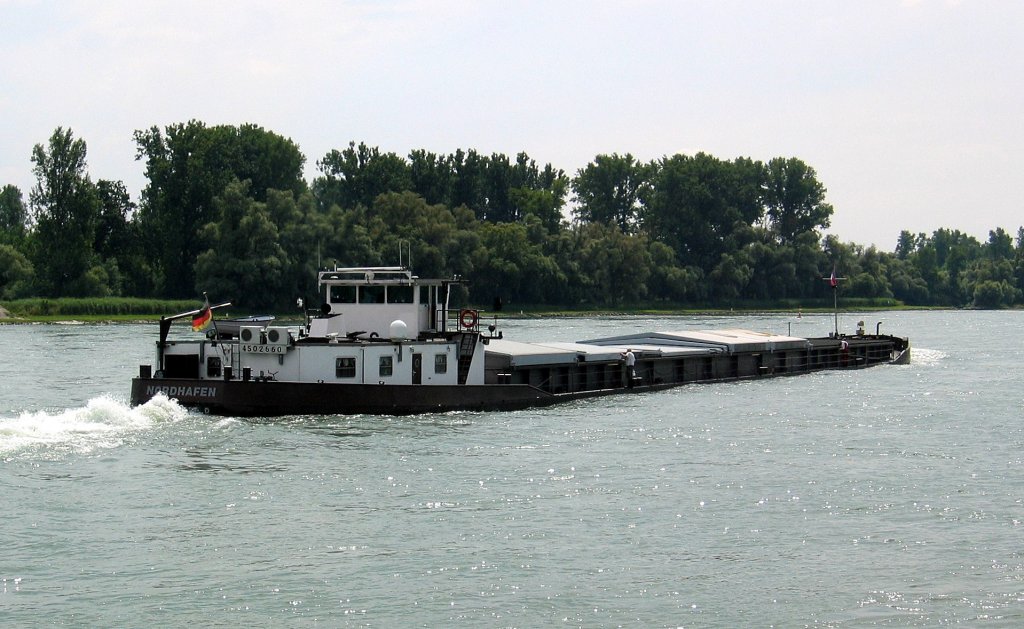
{"points": [[41, 310], [512, 311]]}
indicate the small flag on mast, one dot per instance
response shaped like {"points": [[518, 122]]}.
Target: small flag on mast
{"points": [[201, 320], [833, 281]]}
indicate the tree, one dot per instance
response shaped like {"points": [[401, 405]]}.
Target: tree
{"points": [[999, 245], [794, 199], [838, 256], [1018, 257], [730, 276], [243, 261], [190, 164], [267, 160], [301, 228], [991, 294], [907, 286], [357, 174], [745, 191], [991, 283], [430, 176], [905, 245], [783, 271], [116, 209], [545, 205], [941, 262], [15, 273], [66, 210], [13, 216], [667, 280], [872, 276], [345, 238], [695, 207], [468, 169], [509, 266], [609, 190], [615, 266], [405, 220]]}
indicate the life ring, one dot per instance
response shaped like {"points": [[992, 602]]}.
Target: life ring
{"points": [[468, 318]]}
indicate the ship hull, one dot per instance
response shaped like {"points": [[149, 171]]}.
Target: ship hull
{"points": [[271, 398]]}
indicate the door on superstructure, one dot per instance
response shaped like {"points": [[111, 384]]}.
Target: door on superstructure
{"points": [[417, 368], [428, 302]]}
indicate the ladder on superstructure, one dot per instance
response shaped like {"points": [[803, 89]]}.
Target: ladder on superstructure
{"points": [[467, 345]]}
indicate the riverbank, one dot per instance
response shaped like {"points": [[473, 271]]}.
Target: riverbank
{"points": [[112, 309], [72, 315]]}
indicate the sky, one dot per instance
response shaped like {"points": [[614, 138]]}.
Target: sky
{"points": [[910, 111]]}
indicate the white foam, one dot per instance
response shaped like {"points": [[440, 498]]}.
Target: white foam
{"points": [[923, 356], [102, 423]]}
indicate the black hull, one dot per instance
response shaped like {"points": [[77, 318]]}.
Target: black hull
{"points": [[261, 398], [270, 398]]}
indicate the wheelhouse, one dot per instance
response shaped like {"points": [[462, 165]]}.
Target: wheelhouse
{"points": [[371, 297]]}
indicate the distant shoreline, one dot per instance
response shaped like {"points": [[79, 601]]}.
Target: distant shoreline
{"points": [[6, 318]]}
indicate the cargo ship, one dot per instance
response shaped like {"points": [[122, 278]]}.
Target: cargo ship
{"points": [[386, 341]]}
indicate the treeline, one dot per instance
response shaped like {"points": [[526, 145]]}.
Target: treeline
{"points": [[226, 211]]}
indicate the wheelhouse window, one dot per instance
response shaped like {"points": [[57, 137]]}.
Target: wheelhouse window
{"points": [[386, 365], [345, 367], [440, 363], [400, 294], [371, 294], [343, 294]]}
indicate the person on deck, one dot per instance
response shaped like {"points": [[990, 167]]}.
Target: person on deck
{"points": [[630, 359]]}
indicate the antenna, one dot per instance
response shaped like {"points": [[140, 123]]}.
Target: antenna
{"points": [[833, 281], [408, 249]]}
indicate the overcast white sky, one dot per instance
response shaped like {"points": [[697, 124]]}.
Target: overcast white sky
{"points": [[910, 110]]}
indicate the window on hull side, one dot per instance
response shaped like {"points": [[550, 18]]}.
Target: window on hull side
{"points": [[441, 363], [345, 367], [386, 366]]}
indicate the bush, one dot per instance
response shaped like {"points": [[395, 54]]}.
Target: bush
{"points": [[992, 294], [16, 273]]}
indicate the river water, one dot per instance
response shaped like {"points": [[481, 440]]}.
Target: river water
{"points": [[890, 496]]}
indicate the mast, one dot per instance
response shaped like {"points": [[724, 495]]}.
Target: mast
{"points": [[833, 281]]}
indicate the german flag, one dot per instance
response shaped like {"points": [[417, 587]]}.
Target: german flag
{"points": [[202, 319]]}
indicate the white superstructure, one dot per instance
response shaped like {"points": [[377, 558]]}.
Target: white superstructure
{"points": [[377, 325]]}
